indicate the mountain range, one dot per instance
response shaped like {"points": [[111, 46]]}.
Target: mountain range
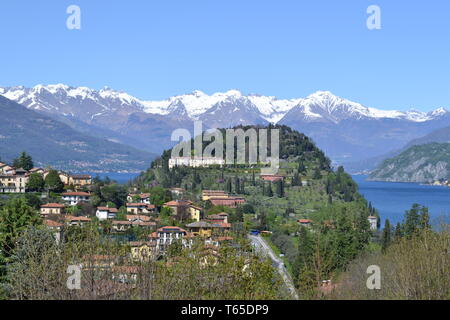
{"points": [[54, 143], [347, 131]]}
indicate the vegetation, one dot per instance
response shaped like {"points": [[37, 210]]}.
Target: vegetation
{"points": [[420, 163]]}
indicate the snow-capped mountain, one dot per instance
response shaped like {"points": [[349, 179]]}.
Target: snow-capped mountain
{"points": [[88, 104], [345, 129]]}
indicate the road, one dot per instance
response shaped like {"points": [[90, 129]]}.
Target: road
{"points": [[262, 247]]}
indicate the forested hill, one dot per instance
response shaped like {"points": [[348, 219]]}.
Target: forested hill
{"points": [[54, 143], [420, 163], [309, 190], [292, 145]]}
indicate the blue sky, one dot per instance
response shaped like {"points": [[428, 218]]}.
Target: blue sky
{"points": [[156, 49]]}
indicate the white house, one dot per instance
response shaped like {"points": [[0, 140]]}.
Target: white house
{"points": [[165, 236], [73, 198], [373, 223], [106, 213], [195, 162]]}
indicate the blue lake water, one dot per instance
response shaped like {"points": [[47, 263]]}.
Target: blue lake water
{"points": [[119, 177], [393, 199]]}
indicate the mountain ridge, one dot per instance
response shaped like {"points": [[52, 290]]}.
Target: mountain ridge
{"points": [[54, 143], [346, 130]]}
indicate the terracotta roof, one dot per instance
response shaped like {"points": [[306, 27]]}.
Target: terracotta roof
{"points": [[136, 204], [81, 176], [171, 229], [138, 217], [79, 219], [177, 203], [84, 194], [200, 224], [113, 210], [53, 205], [53, 224]]}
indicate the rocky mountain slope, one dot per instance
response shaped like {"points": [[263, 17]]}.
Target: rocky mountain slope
{"points": [[54, 143], [420, 163]]}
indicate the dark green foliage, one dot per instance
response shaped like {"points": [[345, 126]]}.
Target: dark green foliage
{"points": [[280, 188], [24, 161], [15, 217], [386, 236], [35, 183], [53, 183]]}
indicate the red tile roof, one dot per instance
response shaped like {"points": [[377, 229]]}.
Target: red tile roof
{"points": [[53, 224], [84, 194], [53, 205]]}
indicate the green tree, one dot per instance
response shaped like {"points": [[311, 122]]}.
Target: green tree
{"points": [[296, 180], [317, 175], [35, 183], [15, 217], [229, 186], [386, 236], [53, 183], [24, 161], [412, 220]]}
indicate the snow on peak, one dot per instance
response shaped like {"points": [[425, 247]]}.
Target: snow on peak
{"points": [[321, 104]]}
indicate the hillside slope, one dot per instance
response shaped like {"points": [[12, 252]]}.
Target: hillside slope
{"points": [[420, 163], [51, 142]]}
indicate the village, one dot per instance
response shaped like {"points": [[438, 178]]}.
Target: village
{"points": [[146, 226]]}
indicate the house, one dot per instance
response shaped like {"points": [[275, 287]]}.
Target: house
{"points": [[140, 208], [231, 202], [37, 170], [373, 223], [138, 218], [271, 178], [106, 213], [73, 198], [185, 210], [77, 221], [6, 169], [208, 194], [56, 228], [80, 180], [139, 198], [195, 213], [166, 236], [218, 218], [143, 251], [201, 228], [64, 177], [52, 208], [123, 226], [195, 162], [304, 222], [14, 181]]}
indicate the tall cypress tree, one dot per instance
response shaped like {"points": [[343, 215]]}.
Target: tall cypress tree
{"points": [[386, 236]]}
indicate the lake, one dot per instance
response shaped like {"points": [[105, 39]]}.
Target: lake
{"points": [[393, 199], [119, 177]]}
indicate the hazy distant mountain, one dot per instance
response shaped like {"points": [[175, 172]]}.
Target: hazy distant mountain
{"points": [[420, 163], [54, 143], [440, 135], [346, 130]]}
